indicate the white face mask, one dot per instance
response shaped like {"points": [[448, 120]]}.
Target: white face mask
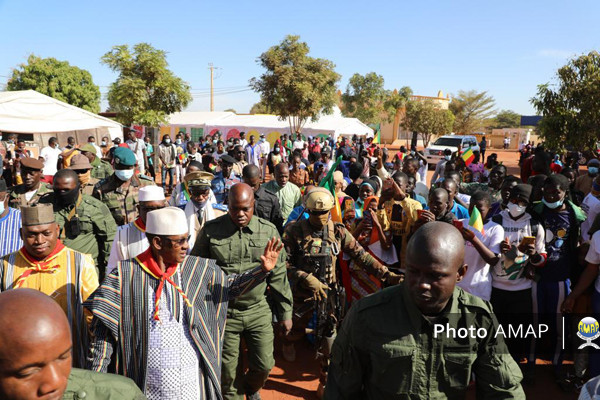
{"points": [[124, 174], [178, 141], [515, 210], [167, 141], [103, 143]]}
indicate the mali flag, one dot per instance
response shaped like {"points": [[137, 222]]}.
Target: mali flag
{"points": [[468, 156], [327, 183], [476, 221]]}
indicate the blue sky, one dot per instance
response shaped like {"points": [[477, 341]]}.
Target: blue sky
{"points": [[506, 47]]}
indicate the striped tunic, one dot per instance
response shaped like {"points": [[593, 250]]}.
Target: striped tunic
{"points": [[72, 283], [121, 324], [10, 232]]}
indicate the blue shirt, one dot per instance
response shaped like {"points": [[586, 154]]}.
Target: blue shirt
{"points": [[460, 211], [10, 229], [421, 200], [296, 213], [220, 186]]}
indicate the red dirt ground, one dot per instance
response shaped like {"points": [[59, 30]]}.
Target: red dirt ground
{"points": [[299, 380]]}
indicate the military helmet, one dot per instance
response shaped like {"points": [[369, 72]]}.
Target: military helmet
{"points": [[319, 199]]}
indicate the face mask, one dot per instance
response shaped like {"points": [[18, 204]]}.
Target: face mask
{"points": [[67, 198], [124, 174], [515, 210], [178, 141], [1, 207], [103, 143], [319, 221], [167, 141], [447, 158], [593, 170], [554, 205], [84, 178]]}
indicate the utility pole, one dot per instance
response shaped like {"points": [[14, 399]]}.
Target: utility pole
{"points": [[212, 93]]}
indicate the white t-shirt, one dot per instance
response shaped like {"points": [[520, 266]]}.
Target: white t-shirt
{"points": [[422, 172], [508, 274], [478, 279], [593, 255], [139, 149], [50, 157], [218, 156], [243, 143], [298, 144], [591, 206]]}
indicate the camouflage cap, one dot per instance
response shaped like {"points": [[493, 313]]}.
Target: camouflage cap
{"points": [[319, 199]]}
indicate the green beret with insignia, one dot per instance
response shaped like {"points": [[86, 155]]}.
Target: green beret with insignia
{"points": [[124, 156]]}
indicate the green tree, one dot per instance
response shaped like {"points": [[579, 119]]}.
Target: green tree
{"points": [[57, 79], [428, 119], [146, 91], [365, 97], [259, 108], [570, 107], [296, 86], [470, 109], [506, 119]]}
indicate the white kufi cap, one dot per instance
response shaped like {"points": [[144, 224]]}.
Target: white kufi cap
{"points": [[151, 193], [168, 221]]}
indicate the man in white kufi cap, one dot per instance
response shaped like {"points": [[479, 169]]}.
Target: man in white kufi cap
{"points": [[130, 239], [163, 312]]}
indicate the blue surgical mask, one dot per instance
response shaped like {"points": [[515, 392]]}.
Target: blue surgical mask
{"points": [[593, 170], [124, 174], [447, 158], [554, 205]]}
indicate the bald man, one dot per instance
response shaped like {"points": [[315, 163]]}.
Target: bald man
{"points": [[266, 204], [235, 241], [289, 195], [35, 354], [398, 343]]}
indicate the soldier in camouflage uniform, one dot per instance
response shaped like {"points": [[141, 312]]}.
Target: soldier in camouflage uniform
{"points": [[81, 165], [29, 192], [120, 190], [312, 247], [100, 169]]}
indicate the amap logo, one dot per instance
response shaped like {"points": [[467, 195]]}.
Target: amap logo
{"points": [[588, 330]]}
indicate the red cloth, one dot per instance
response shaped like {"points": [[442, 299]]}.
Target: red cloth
{"points": [[47, 259]]}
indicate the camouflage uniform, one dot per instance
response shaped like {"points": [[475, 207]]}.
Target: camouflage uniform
{"points": [[88, 188], [120, 197], [314, 251], [17, 195], [101, 171]]}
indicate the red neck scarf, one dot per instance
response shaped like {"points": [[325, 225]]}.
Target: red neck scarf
{"points": [[149, 264], [48, 264], [138, 223]]}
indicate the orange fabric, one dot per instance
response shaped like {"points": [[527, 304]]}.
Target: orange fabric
{"points": [[374, 232], [48, 264], [150, 265]]}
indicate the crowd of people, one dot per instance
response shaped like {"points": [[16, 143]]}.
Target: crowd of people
{"points": [[179, 266]]}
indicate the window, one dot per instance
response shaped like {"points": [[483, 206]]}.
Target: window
{"points": [[446, 141]]}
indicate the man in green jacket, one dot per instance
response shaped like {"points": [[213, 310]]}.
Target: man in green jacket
{"points": [[35, 355], [237, 241], [85, 222], [390, 345]]}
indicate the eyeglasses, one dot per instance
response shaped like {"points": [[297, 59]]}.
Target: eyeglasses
{"points": [[178, 242]]}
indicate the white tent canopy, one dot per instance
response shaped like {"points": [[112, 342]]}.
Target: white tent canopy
{"points": [[27, 111], [230, 125]]}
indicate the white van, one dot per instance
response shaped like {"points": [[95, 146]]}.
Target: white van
{"points": [[435, 152]]}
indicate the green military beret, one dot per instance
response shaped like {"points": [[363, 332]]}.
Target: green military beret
{"points": [[124, 156]]}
